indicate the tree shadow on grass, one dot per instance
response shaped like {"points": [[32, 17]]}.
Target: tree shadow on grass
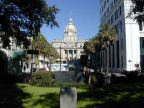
{"points": [[130, 96], [49, 100], [11, 96]]}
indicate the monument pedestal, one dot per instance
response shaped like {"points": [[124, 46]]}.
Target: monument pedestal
{"points": [[68, 97]]}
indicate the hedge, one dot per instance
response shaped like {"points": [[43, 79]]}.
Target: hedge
{"points": [[42, 79]]}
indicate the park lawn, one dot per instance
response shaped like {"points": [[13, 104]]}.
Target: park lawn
{"points": [[120, 96], [40, 97], [46, 97], [112, 96]]}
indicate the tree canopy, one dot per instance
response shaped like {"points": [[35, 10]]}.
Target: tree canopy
{"points": [[20, 19], [101, 41], [105, 36], [41, 44], [137, 9]]}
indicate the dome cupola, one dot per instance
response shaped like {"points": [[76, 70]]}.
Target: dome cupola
{"points": [[70, 28], [70, 32]]}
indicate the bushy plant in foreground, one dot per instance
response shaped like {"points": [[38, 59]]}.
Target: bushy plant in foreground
{"points": [[42, 79]]}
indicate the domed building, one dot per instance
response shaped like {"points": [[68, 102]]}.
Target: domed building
{"points": [[70, 48], [70, 32]]}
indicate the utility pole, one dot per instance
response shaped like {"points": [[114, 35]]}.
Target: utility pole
{"points": [[60, 58], [32, 57]]}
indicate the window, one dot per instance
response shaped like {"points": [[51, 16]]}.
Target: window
{"points": [[109, 21], [116, 28], [70, 51], [116, 15], [121, 43], [109, 56], [118, 64], [115, 1], [105, 14], [113, 55], [112, 19], [111, 5], [75, 51], [65, 51], [107, 10], [142, 42], [104, 3], [122, 61], [140, 26], [120, 10], [120, 26]]}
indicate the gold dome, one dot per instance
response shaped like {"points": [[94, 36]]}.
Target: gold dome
{"points": [[70, 27]]}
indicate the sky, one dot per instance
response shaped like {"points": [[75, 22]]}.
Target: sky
{"points": [[85, 15]]}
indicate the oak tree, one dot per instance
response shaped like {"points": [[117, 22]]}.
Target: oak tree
{"points": [[21, 19], [137, 9]]}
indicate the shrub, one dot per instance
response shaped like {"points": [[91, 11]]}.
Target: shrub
{"points": [[68, 84], [9, 78], [140, 78], [42, 79], [131, 75], [118, 78]]}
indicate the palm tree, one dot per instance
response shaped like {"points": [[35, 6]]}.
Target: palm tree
{"points": [[92, 49], [98, 47], [108, 35], [41, 44], [100, 42], [86, 48]]}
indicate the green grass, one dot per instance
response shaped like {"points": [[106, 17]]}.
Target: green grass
{"points": [[41, 97], [112, 96]]}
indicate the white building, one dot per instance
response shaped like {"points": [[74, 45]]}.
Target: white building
{"points": [[70, 48], [127, 53], [9, 63]]}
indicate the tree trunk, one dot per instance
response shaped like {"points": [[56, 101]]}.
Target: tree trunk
{"points": [[107, 70]]}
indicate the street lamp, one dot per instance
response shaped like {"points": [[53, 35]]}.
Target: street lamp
{"points": [[130, 64], [50, 62], [60, 58]]}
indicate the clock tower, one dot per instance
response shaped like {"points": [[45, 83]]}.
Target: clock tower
{"points": [[70, 32], [70, 48]]}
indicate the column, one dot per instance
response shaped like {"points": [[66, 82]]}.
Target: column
{"points": [[72, 54], [68, 54], [77, 54]]}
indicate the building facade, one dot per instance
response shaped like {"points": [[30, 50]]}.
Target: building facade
{"points": [[127, 52], [70, 48], [10, 62]]}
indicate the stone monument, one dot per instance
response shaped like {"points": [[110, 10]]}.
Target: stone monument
{"points": [[68, 97]]}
